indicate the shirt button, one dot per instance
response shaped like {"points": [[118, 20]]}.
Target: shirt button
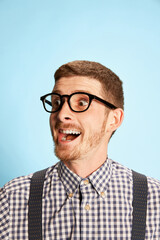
{"points": [[70, 195], [102, 194], [87, 207], [86, 181]]}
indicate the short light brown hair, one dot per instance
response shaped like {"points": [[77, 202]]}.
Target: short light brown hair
{"points": [[111, 84]]}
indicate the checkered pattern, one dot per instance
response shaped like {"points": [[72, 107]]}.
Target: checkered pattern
{"points": [[98, 207]]}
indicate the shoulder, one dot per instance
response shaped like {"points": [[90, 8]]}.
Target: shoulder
{"points": [[18, 184], [22, 184], [153, 184], [121, 172], [153, 191]]}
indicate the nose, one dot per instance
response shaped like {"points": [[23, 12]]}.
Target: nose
{"points": [[65, 113]]}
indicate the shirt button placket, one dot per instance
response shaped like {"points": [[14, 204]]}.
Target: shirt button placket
{"points": [[102, 194], [86, 181], [87, 207], [70, 195]]}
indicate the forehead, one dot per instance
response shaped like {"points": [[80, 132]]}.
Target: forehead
{"points": [[68, 85]]}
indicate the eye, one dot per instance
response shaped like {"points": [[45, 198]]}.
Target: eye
{"points": [[79, 102], [56, 102], [83, 102]]}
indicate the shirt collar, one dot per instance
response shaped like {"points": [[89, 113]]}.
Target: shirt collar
{"points": [[69, 179], [99, 179]]}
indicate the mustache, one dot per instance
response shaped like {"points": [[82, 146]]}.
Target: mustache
{"points": [[67, 125]]}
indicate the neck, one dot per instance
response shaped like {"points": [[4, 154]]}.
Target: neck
{"points": [[86, 165]]}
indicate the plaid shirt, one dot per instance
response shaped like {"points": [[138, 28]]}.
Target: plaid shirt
{"points": [[94, 208]]}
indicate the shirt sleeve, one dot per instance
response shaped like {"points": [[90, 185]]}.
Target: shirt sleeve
{"points": [[4, 215]]}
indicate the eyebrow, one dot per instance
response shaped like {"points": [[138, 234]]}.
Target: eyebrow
{"points": [[60, 92], [56, 91]]}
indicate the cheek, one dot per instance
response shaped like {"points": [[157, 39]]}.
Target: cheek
{"points": [[51, 121], [97, 112], [89, 123], [95, 119]]}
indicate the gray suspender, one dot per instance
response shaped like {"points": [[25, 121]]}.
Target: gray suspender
{"points": [[35, 206], [139, 206], [140, 189]]}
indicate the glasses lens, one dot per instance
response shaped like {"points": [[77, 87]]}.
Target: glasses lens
{"points": [[79, 102], [52, 102]]}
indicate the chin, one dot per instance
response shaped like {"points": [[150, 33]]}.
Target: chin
{"points": [[66, 155]]}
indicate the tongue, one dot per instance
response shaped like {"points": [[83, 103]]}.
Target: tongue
{"points": [[71, 137]]}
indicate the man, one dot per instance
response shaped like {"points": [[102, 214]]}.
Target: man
{"points": [[86, 195]]}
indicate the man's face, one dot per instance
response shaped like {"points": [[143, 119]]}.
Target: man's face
{"points": [[91, 124]]}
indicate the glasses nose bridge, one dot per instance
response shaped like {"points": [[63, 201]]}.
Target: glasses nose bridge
{"points": [[65, 96], [68, 99]]}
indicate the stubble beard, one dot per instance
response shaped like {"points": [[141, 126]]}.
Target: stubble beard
{"points": [[79, 151]]}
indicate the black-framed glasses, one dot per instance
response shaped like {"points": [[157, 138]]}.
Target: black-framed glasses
{"points": [[78, 101]]}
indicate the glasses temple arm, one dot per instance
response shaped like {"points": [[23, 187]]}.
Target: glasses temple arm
{"points": [[46, 101], [110, 105]]}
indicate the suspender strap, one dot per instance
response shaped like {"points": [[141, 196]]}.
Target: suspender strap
{"points": [[140, 189], [35, 206]]}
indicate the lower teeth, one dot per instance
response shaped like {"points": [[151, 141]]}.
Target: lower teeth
{"points": [[65, 139], [69, 137]]}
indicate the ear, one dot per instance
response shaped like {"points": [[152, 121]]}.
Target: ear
{"points": [[115, 119]]}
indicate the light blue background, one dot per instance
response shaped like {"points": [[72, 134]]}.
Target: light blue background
{"points": [[39, 36]]}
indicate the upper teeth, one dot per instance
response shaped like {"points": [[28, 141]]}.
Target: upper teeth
{"points": [[69, 131]]}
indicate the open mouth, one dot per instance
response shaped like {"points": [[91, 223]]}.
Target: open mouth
{"points": [[68, 135]]}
